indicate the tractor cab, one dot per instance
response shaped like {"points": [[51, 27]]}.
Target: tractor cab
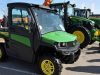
{"points": [[65, 10], [82, 12]]}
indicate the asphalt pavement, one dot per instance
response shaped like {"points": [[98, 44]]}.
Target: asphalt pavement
{"points": [[17, 67], [88, 64]]}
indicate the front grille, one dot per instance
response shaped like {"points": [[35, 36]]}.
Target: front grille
{"points": [[70, 44]]}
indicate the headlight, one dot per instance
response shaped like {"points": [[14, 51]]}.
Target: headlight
{"points": [[62, 44], [66, 44]]}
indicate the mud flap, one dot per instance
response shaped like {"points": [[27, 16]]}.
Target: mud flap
{"points": [[69, 59]]}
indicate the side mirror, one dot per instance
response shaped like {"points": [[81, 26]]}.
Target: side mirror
{"points": [[68, 2]]}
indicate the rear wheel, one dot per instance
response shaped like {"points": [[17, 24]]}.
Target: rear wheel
{"points": [[50, 65], [83, 35], [2, 52]]}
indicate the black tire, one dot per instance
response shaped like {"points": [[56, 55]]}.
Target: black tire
{"points": [[3, 54], [92, 41], [56, 63], [86, 33], [77, 55]]}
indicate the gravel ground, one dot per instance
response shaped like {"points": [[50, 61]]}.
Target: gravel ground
{"points": [[88, 63]]}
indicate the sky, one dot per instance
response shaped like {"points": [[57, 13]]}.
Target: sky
{"points": [[94, 5]]}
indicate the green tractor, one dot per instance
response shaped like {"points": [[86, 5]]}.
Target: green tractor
{"points": [[86, 13], [35, 37], [82, 27]]}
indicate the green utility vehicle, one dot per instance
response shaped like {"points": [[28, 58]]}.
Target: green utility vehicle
{"points": [[36, 34], [81, 27]]}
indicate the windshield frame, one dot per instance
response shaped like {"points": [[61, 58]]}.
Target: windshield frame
{"points": [[70, 6], [88, 14]]}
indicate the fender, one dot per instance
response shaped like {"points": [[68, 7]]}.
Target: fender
{"points": [[2, 40]]}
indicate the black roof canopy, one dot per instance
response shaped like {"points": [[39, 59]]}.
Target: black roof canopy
{"points": [[64, 3], [59, 3], [26, 5]]}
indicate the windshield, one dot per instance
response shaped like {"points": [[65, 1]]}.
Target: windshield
{"points": [[48, 21], [70, 10], [83, 13]]}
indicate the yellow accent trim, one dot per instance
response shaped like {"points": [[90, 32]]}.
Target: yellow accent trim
{"points": [[0, 54], [80, 36], [4, 33], [47, 67], [97, 33], [2, 40]]}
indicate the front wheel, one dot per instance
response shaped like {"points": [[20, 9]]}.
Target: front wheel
{"points": [[83, 35], [77, 55], [50, 65]]}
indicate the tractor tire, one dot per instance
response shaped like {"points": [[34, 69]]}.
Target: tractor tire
{"points": [[83, 35], [3, 54], [50, 65], [92, 41]]}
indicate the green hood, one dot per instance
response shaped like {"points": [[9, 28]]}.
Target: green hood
{"points": [[76, 19], [58, 36]]}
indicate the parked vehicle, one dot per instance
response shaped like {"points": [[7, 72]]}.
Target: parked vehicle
{"points": [[36, 34], [86, 13]]}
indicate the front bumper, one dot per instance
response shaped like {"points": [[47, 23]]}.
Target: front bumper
{"points": [[71, 55], [70, 50]]}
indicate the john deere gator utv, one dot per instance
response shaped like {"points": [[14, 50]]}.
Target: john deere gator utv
{"points": [[36, 34], [81, 27]]}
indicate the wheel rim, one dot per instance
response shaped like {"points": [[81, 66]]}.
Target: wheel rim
{"points": [[47, 67], [80, 36], [0, 54]]}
